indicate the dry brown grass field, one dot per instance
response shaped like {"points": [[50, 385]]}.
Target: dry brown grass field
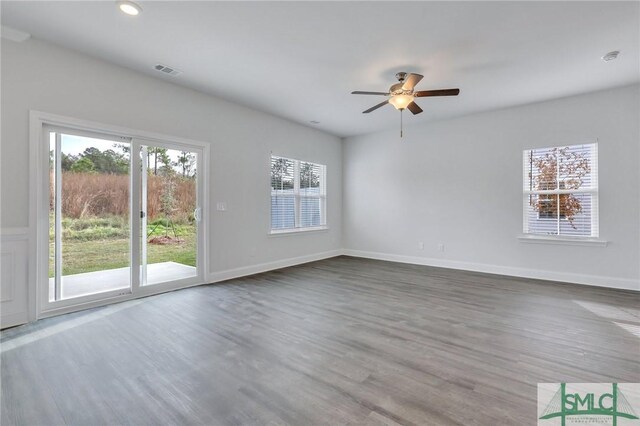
{"points": [[99, 195]]}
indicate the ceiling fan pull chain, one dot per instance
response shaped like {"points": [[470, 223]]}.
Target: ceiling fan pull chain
{"points": [[401, 122]]}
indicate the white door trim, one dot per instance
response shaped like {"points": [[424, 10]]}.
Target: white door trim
{"points": [[38, 211]]}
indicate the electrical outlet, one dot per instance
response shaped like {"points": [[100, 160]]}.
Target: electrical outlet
{"points": [[420, 245], [440, 247]]}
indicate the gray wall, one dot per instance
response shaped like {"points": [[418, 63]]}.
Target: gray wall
{"points": [[41, 76], [459, 183]]}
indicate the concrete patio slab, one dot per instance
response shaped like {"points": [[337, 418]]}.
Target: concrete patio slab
{"points": [[114, 279]]}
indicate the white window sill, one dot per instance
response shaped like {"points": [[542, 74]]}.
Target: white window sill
{"points": [[562, 240], [293, 231]]}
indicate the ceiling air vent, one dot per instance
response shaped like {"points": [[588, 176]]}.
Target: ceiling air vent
{"points": [[167, 70]]}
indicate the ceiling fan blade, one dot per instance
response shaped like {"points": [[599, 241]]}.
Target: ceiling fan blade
{"points": [[373, 108], [358, 92], [442, 92], [414, 108], [411, 81]]}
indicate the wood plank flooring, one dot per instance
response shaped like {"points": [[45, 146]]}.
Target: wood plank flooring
{"points": [[340, 341]]}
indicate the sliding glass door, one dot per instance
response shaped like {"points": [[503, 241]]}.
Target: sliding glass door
{"points": [[102, 199], [170, 214], [89, 215]]}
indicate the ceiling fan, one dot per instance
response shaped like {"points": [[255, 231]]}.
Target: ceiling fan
{"points": [[401, 94]]}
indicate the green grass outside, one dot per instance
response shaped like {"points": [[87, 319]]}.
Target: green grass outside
{"points": [[96, 244]]}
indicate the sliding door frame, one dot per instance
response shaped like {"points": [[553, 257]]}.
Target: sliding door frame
{"points": [[39, 305], [137, 144], [58, 278]]}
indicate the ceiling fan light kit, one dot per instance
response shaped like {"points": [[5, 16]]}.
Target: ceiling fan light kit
{"points": [[401, 95], [401, 101]]}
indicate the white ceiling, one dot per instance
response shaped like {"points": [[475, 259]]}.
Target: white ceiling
{"points": [[301, 60]]}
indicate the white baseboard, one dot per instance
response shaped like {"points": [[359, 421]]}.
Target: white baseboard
{"points": [[594, 280], [270, 266]]}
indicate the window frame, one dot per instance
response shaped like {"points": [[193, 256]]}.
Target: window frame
{"points": [[297, 195], [592, 190]]}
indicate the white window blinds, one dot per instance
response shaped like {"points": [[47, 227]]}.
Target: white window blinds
{"points": [[298, 194], [561, 191]]}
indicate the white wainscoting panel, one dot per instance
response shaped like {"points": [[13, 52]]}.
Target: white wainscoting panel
{"points": [[14, 276]]}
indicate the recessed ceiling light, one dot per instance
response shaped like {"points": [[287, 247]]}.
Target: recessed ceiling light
{"points": [[611, 56], [129, 7]]}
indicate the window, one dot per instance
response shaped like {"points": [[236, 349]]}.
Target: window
{"points": [[298, 195], [561, 191]]}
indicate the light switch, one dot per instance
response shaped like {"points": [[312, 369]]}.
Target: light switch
{"points": [[221, 206]]}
